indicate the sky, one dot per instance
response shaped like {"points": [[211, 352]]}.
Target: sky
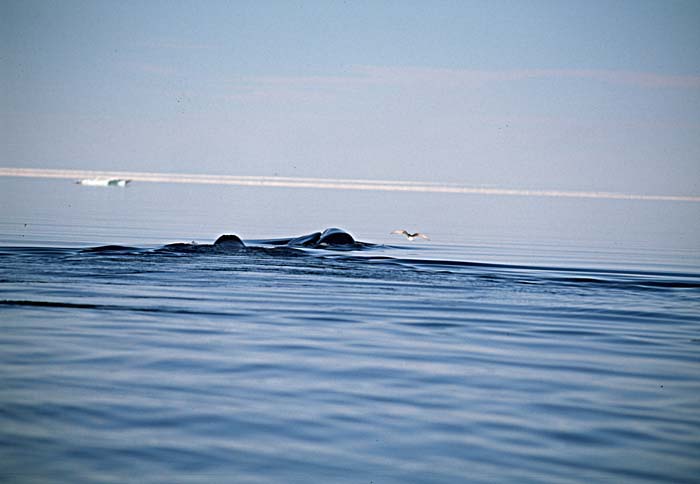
{"points": [[551, 95]]}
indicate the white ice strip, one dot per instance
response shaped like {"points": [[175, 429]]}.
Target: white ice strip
{"points": [[330, 183]]}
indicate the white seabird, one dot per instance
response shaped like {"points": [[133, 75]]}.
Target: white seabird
{"points": [[411, 236]]}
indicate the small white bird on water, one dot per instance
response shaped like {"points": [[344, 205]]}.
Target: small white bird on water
{"points": [[411, 236]]}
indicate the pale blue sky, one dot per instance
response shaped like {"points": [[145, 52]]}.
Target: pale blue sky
{"points": [[525, 94]]}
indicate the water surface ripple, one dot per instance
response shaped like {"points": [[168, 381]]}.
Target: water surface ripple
{"points": [[273, 364]]}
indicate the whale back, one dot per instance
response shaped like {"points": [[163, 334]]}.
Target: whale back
{"points": [[229, 241], [335, 236], [305, 240]]}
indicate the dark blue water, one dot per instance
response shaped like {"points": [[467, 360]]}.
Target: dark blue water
{"points": [[441, 362], [272, 365]]}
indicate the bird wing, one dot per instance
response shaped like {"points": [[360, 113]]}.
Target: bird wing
{"points": [[423, 236]]}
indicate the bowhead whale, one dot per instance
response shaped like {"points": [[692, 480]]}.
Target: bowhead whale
{"points": [[329, 238], [229, 240]]}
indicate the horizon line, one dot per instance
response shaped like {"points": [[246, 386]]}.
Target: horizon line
{"points": [[330, 183]]}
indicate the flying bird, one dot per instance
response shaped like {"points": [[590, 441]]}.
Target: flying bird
{"points": [[410, 236]]}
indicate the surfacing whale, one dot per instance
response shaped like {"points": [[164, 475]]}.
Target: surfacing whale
{"points": [[331, 238], [229, 240], [226, 242]]}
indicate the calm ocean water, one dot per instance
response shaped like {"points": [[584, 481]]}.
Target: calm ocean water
{"points": [[531, 340]]}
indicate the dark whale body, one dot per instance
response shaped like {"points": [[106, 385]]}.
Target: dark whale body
{"points": [[226, 242], [229, 241], [331, 238], [335, 236]]}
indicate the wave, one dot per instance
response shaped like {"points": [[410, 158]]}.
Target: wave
{"points": [[109, 307]]}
